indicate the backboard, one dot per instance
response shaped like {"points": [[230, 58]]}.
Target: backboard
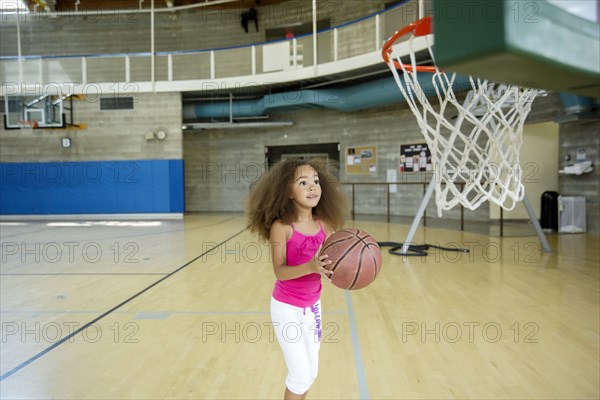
{"points": [[537, 44]]}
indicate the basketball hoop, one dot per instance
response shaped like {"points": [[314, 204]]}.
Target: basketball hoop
{"points": [[26, 124], [474, 143]]}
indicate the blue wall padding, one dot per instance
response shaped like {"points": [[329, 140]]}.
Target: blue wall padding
{"points": [[92, 187], [177, 186]]}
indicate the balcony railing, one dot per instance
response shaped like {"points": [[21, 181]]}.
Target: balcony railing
{"points": [[335, 44]]}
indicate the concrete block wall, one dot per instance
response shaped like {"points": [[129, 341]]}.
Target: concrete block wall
{"points": [[573, 136], [220, 165], [110, 134]]}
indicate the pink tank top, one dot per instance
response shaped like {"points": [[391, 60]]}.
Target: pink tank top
{"points": [[305, 290]]}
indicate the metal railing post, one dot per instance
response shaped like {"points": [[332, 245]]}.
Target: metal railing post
{"points": [[353, 212], [388, 202]]}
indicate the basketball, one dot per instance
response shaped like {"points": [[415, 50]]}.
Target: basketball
{"points": [[355, 258]]}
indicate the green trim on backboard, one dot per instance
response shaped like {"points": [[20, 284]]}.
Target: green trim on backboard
{"points": [[529, 43]]}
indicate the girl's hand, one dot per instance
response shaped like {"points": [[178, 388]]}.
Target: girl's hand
{"points": [[319, 263]]}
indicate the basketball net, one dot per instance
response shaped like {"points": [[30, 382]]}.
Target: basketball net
{"points": [[475, 141]]}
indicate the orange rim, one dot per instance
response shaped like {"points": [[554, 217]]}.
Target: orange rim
{"points": [[421, 27]]}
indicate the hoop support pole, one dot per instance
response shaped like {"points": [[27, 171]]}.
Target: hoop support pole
{"points": [[536, 224], [418, 216]]}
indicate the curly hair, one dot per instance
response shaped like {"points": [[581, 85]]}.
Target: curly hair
{"points": [[269, 198]]}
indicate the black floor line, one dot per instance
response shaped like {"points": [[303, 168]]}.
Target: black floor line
{"points": [[84, 327]]}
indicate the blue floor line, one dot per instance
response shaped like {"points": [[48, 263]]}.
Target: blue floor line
{"points": [[358, 360]]}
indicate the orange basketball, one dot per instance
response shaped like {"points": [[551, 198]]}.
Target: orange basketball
{"points": [[355, 257]]}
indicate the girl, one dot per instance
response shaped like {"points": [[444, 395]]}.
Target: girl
{"points": [[296, 206]]}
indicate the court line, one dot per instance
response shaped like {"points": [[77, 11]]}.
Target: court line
{"points": [[168, 231], [89, 273], [84, 327], [334, 312], [363, 388]]}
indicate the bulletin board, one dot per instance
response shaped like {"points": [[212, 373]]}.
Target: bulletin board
{"points": [[361, 160], [415, 158]]}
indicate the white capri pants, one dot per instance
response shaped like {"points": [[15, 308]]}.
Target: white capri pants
{"points": [[298, 331]]}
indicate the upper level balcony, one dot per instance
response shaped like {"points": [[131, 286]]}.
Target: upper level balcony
{"points": [[352, 49]]}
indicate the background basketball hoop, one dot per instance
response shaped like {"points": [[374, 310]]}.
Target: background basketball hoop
{"points": [[26, 124]]}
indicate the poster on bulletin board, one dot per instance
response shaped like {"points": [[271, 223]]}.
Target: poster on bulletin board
{"points": [[415, 158], [361, 160]]}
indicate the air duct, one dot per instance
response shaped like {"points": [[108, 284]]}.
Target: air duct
{"points": [[578, 108], [573, 103], [371, 94]]}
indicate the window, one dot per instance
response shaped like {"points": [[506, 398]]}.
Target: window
{"points": [[11, 6], [116, 103]]}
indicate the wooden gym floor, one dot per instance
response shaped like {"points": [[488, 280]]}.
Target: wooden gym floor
{"points": [[179, 309]]}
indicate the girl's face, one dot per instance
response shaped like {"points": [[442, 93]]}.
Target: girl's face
{"points": [[305, 189]]}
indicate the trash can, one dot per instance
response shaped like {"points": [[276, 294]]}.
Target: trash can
{"points": [[572, 214], [549, 211]]}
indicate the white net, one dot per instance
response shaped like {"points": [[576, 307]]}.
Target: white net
{"points": [[475, 139]]}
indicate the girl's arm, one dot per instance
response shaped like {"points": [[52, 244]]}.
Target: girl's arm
{"points": [[278, 239]]}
